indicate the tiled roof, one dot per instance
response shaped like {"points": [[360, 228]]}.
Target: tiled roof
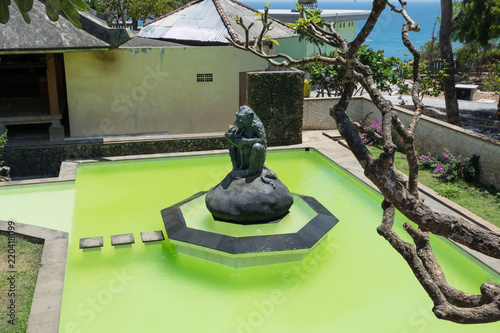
{"points": [[210, 21], [43, 35]]}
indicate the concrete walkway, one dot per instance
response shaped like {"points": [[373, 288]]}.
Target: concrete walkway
{"points": [[438, 103]]}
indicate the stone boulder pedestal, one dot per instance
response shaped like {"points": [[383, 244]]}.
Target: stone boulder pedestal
{"points": [[252, 199]]}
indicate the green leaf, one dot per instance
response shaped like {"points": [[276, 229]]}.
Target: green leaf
{"points": [[71, 13], [275, 41], [24, 5], [52, 8], [26, 17], [4, 11], [79, 5], [313, 18]]}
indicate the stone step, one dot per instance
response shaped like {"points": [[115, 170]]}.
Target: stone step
{"points": [[333, 134], [343, 143], [122, 239]]}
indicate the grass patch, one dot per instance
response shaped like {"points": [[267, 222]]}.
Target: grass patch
{"points": [[482, 200], [26, 266]]}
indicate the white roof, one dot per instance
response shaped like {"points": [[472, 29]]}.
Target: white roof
{"points": [[330, 15], [210, 21]]}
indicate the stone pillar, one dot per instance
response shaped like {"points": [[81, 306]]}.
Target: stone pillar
{"points": [[56, 131], [277, 97]]}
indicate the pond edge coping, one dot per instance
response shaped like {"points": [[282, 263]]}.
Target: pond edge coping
{"points": [[46, 305]]}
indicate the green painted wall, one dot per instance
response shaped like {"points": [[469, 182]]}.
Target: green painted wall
{"points": [[138, 91], [296, 49]]}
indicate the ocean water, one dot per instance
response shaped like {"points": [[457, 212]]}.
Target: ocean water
{"points": [[387, 32]]}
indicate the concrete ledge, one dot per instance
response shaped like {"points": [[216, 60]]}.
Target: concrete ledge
{"points": [[47, 298], [44, 159]]}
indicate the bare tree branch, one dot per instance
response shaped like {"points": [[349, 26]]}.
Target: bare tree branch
{"points": [[399, 191], [408, 137], [377, 9], [449, 303], [460, 12]]}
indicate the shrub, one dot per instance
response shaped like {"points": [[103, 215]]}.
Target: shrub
{"points": [[427, 161], [449, 167], [448, 192], [3, 141]]}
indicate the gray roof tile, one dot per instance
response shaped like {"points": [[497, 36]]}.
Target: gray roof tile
{"points": [[43, 34], [210, 21]]}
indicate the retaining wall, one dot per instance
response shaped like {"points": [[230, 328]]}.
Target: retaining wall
{"points": [[45, 161], [431, 135]]}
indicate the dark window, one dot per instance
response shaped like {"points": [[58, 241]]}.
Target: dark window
{"points": [[204, 77]]}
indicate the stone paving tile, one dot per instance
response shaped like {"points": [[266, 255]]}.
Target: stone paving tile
{"points": [[152, 236], [123, 239], [91, 242]]}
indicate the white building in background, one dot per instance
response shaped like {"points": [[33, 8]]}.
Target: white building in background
{"points": [[345, 24]]}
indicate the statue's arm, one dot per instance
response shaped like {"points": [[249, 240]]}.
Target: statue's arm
{"points": [[232, 135], [245, 142]]}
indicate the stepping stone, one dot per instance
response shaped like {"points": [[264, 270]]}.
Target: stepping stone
{"points": [[91, 242], [152, 236], [122, 239]]}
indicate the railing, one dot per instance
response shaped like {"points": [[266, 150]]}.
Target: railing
{"points": [[473, 67], [128, 24]]}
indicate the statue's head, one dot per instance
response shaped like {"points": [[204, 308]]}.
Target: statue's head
{"points": [[244, 117]]}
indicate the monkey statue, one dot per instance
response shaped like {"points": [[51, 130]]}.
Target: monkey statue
{"points": [[247, 143], [251, 192]]}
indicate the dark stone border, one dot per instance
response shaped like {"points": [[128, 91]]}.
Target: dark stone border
{"points": [[47, 298], [305, 238]]}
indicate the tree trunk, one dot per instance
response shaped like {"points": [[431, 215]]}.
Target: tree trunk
{"points": [[498, 108], [122, 14], [450, 95]]}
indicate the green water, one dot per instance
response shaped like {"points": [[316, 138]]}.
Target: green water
{"points": [[44, 205], [353, 282], [196, 216]]}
